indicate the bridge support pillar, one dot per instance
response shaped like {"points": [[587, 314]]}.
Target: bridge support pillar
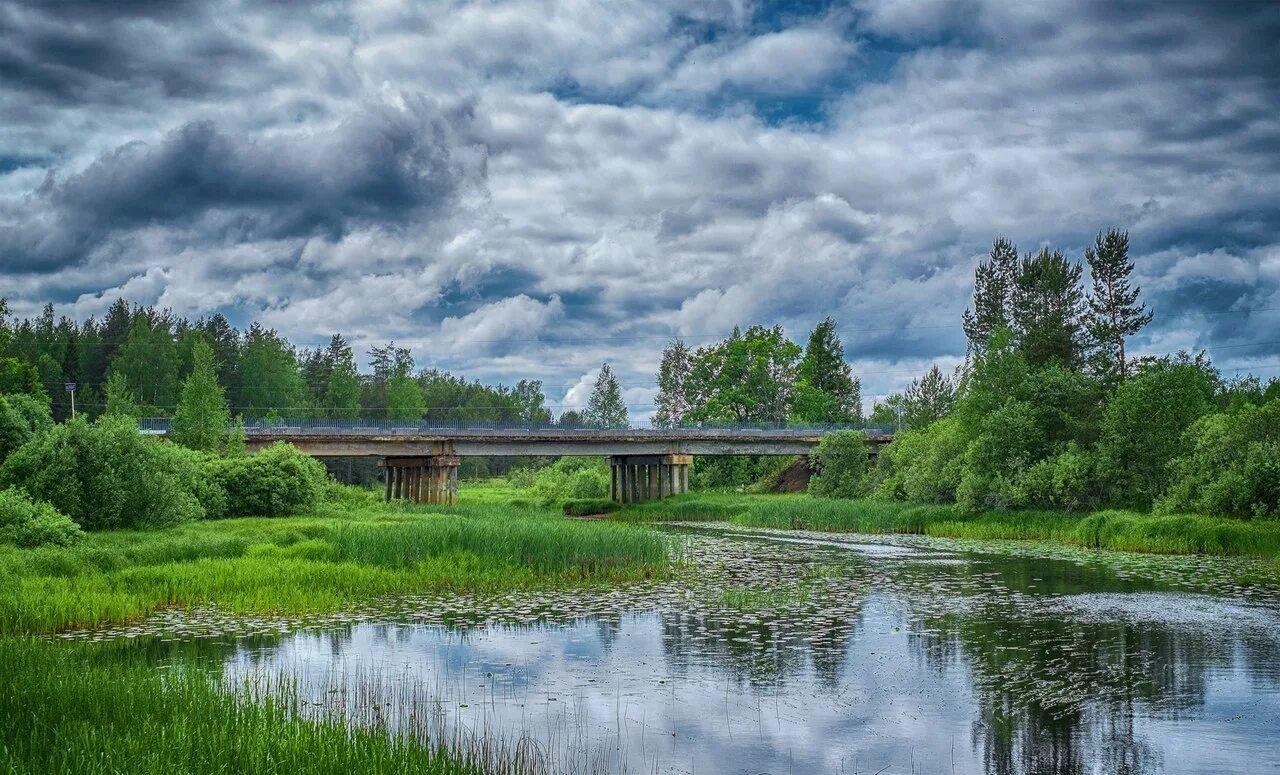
{"points": [[431, 479], [634, 478]]}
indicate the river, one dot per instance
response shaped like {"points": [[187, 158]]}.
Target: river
{"points": [[786, 652]]}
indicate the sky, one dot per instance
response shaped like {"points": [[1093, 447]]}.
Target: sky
{"points": [[526, 189]]}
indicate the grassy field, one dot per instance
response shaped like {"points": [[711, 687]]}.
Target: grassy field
{"points": [[357, 549], [1114, 529]]}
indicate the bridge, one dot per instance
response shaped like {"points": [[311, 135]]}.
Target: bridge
{"points": [[421, 458]]}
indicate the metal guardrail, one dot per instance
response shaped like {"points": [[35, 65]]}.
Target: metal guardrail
{"points": [[367, 427]]}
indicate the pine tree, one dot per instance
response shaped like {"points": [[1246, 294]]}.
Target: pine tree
{"points": [[928, 399], [202, 418], [341, 397], [673, 375], [992, 296], [1113, 312], [826, 390], [605, 408], [404, 396], [1048, 310]]}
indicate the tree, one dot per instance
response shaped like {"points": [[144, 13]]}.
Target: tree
{"points": [[928, 399], [202, 418], [749, 377], [826, 390], [993, 284], [1113, 311], [340, 397], [673, 391], [148, 360], [1144, 423], [120, 400], [887, 414], [840, 464], [571, 419], [605, 408], [1048, 306], [532, 401], [404, 398], [270, 379]]}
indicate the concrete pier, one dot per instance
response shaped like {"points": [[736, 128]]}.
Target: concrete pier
{"points": [[634, 478], [432, 479]]}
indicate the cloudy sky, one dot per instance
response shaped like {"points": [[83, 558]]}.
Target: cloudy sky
{"points": [[524, 188]]}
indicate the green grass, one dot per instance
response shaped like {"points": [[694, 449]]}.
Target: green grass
{"points": [[74, 708], [1116, 530], [315, 564]]}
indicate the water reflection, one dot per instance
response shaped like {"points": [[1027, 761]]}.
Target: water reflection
{"points": [[813, 654]]}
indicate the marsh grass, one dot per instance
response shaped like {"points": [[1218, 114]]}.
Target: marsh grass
{"points": [[314, 564], [1115, 529], [76, 708]]}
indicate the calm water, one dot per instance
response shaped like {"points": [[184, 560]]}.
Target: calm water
{"points": [[794, 652]]}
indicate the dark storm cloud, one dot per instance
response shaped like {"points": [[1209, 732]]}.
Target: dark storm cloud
{"points": [[77, 53], [384, 167]]}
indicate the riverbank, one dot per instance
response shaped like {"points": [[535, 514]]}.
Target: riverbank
{"points": [[349, 552], [1113, 529]]}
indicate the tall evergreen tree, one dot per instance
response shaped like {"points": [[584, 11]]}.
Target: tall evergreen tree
{"points": [[826, 390], [270, 382], [1048, 310], [993, 284], [928, 399], [673, 391], [605, 408], [1113, 309], [202, 419], [148, 360], [341, 391]]}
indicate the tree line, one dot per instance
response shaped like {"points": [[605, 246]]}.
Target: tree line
{"points": [[137, 360], [1051, 410]]}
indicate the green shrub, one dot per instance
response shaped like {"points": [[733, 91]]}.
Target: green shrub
{"points": [[841, 463], [923, 465], [21, 419], [1066, 481], [107, 475], [572, 477], [1230, 465], [277, 482], [29, 523]]}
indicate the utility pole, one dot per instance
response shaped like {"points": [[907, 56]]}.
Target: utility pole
{"points": [[70, 387]]}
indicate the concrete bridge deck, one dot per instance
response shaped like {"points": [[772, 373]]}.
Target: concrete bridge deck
{"points": [[421, 459]]}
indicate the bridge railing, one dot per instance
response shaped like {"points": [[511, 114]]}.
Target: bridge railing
{"points": [[342, 427]]}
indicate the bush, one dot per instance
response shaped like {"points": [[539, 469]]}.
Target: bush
{"points": [[572, 477], [22, 417], [1230, 465], [923, 465], [107, 475], [280, 481], [1066, 481], [840, 463], [29, 523]]}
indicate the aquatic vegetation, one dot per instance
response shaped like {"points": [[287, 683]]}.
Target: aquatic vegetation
{"points": [[70, 708], [1114, 529], [313, 564]]}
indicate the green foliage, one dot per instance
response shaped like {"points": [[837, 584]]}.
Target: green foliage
{"points": [[605, 408], [1068, 481], [581, 507], [1143, 425], [276, 482], [148, 362], [928, 399], [746, 378], [1113, 309], [269, 376], [992, 297], [18, 376], [120, 398], [15, 429], [826, 390], [841, 464], [1047, 309], [404, 399], [202, 417], [107, 475], [29, 523], [672, 404], [1229, 464], [923, 465], [33, 411], [572, 478]]}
